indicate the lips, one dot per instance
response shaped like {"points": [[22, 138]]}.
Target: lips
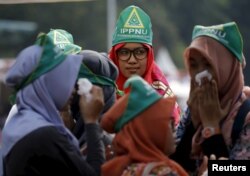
{"points": [[132, 69]]}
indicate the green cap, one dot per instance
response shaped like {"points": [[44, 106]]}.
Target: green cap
{"points": [[133, 25], [227, 34], [63, 40], [141, 96]]}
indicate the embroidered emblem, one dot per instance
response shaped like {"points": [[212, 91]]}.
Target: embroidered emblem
{"points": [[134, 20], [60, 39]]}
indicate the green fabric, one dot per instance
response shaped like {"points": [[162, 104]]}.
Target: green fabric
{"points": [[85, 72], [50, 58], [63, 40], [133, 25], [227, 34], [141, 96]]}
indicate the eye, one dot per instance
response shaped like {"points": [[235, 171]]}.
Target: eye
{"points": [[123, 52], [140, 51], [192, 63], [173, 124]]}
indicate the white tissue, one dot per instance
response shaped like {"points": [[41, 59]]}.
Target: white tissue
{"points": [[84, 87], [202, 75]]}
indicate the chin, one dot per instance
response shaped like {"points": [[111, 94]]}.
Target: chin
{"points": [[170, 151], [133, 74]]}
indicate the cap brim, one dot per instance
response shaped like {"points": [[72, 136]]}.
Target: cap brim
{"points": [[72, 49]]}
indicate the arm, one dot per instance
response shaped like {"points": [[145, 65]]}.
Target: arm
{"points": [[91, 110], [95, 150], [185, 132]]}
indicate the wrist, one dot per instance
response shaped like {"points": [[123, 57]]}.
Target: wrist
{"points": [[211, 124], [91, 120], [209, 131]]}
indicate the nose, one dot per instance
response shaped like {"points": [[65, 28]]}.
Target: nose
{"points": [[201, 68], [132, 59]]}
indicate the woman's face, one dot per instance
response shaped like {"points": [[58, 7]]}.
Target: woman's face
{"points": [[132, 59], [171, 135], [68, 103], [198, 63]]}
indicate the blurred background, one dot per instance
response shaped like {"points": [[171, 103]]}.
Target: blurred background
{"points": [[92, 22]]}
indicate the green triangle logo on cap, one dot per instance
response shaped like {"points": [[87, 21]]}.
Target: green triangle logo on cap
{"points": [[227, 34], [133, 25], [141, 96], [59, 38], [63, 40], [134, 20]]}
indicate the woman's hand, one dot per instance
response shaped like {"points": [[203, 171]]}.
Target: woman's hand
{"points": [[210, 110], [91, 108]]}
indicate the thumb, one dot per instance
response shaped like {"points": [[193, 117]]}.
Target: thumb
{"points": [[212, 157]]}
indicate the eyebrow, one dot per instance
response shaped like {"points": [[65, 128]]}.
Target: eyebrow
{"points": [[132, 48]]}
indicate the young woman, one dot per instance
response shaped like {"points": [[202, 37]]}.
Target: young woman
{"points": [[132, 52], [142, 123], [35, 139], [217, 119]]}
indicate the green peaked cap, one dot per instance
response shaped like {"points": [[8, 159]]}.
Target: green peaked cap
{"points": [[133, 25], [141, 96], [63, 40], [227, 34]]}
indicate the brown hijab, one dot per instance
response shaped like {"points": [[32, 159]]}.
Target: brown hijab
{"points": [[142, 139]]}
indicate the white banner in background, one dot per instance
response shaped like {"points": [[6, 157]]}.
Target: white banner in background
{"points": [[36, 1]]}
